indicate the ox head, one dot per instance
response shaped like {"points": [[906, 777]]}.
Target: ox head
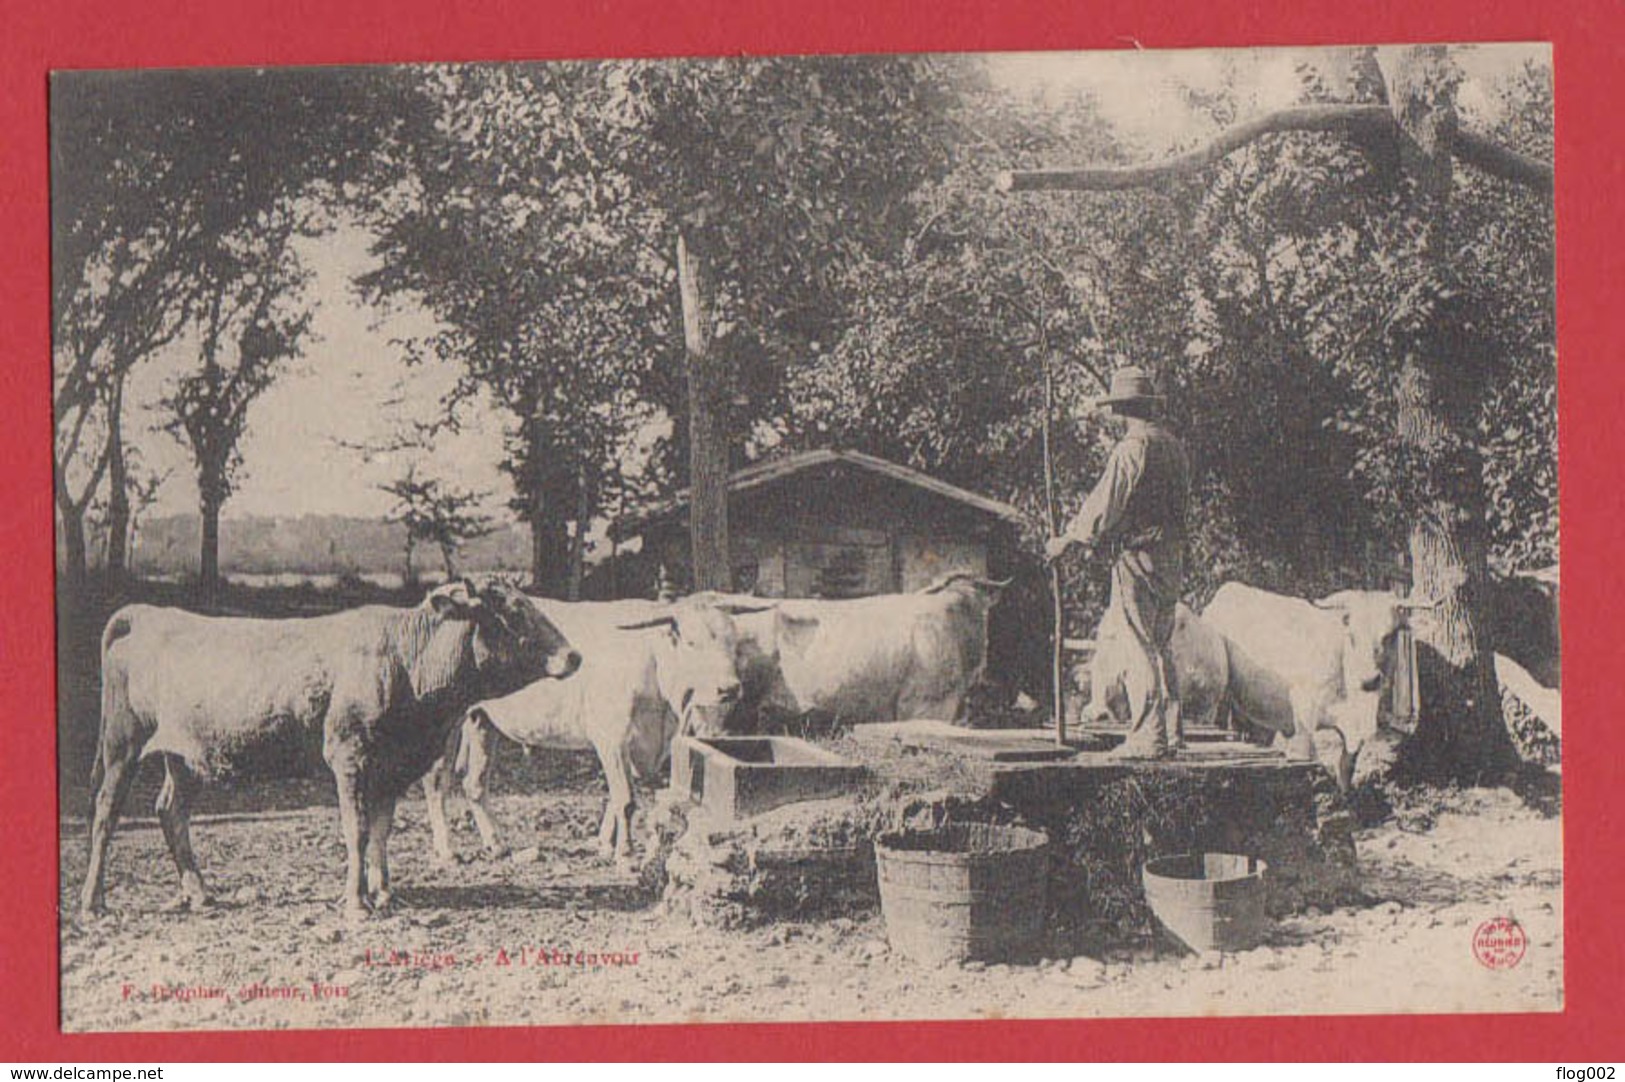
{"points": [[970, 597], [514, 644], [697, 667], [1371, 622]]}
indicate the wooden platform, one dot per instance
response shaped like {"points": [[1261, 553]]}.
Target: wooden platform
{"points": [[993, 745], [1086, 750]]}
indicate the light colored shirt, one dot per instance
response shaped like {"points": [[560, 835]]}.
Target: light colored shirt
{"points": [[1141, 496]]}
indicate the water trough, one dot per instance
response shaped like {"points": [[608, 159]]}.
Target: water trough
{"points": [[736, 777]]}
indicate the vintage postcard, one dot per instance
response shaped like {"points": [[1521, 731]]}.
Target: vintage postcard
{"points": [[1056, 535]]}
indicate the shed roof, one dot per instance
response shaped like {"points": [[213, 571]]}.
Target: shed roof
{"points": [[764, 474]]}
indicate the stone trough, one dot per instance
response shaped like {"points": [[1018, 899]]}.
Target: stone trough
{"points": [[738, 777]]}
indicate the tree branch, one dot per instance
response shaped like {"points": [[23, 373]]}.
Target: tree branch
{"points": [[1503, 162], [1347, 118], [1369, 120]]}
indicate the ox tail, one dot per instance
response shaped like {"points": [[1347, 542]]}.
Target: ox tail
{"points": [[114, 693], [97, 773], [118, 626]]}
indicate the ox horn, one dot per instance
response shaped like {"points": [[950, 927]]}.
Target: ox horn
{"points": [[658, 621], [740, 608], [1408, 605], [961, 575]]}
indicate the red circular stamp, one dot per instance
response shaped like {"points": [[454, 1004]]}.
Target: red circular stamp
{"points": [[1499, 943]]}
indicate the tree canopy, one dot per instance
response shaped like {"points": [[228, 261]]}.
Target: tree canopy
{"points": [[864, 284]]}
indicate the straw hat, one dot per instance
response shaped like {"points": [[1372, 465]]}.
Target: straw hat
{"points": [[1130, 384]]}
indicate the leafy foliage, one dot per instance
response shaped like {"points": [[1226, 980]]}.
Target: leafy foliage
{"points": [[151, 173], [438, 514], [250, 321], [533, 209]]}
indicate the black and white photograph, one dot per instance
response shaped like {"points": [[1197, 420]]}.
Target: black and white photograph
{"points": [[799, 539]]}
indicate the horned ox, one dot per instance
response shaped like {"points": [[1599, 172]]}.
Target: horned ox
{"points": [[648, 669], [380, 685], [1314, 672], [883, 658]]}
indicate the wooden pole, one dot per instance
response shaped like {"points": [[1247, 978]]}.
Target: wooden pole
{"points": [[1052, 515], [707, 439]]}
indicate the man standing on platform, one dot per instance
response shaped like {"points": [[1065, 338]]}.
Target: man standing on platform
{"points": [[1138, 508]]}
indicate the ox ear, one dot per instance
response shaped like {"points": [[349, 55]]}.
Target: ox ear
{"points": [[455, 600], [1337, 603]]}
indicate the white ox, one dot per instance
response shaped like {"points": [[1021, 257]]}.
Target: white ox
{"points": [[647, 670], [1313, 672], [888, 657]]}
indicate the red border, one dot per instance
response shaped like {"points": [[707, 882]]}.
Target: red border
{"points": [[117, 33]]}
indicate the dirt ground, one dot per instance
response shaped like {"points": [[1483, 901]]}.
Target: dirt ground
{"points": [[563, 938]]}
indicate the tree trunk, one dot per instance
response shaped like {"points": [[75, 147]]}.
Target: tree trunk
{"points": [[549, 548], [549, 543], [707, 437], [118, 492], [1461, 733], [209, 551], [578, 536], [410, 580], [75, 551]]}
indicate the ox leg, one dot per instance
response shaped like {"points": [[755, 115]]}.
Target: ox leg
{"points": [[1172, 705], [615, 833], [478, 738], [117, 770], [381, 819], [353, 825], [1300, 743], [487, 825], [174, 815], [436, 791]]}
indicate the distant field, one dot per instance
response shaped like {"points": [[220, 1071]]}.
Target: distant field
{"points": [[283, 580], [309, 547]]}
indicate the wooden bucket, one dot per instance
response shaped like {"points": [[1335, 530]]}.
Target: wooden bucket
{"points": [[1208, 901], [963, 891]]}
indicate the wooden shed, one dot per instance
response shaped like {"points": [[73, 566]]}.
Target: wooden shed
{"points": [[838, 524]]}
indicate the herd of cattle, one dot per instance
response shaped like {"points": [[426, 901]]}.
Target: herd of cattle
{"points": [[399, 695]]}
